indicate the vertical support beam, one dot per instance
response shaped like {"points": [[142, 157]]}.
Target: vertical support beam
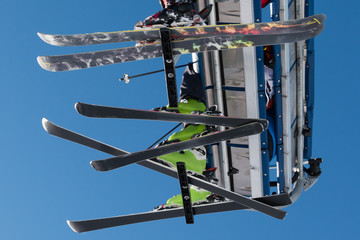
{"points": [[252, 103], [185, 192], [309, 83], [220, 103], [275, 16], [169, 66], [300, 88], [285, 89]]}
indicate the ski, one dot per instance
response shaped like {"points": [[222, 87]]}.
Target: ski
{"points": [[297, 26], [280, 200], [97, 111], [86, 141], [123, 160], [106, 57]]}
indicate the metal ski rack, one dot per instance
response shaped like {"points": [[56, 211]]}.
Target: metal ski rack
{"points": [[185, 192], [169, 66]]}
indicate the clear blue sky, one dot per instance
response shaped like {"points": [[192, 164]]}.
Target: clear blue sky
{"points": [[46, 180]]}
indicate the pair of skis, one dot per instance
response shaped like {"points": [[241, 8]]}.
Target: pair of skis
{"points": [[243, 127], [184, 40]]}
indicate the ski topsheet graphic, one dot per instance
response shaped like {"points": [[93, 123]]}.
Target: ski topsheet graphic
{"points": [[306, 28], [240, 199], [257, 29]]}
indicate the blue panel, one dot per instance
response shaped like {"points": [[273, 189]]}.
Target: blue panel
{"points": [[309, 83], [237, 145], [265, 169], [280, 158], [262, 104], [275, 9], [230, 88], [278, 119]]}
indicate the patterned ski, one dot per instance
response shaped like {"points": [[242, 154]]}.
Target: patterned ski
{"points": [[107, 57], [280, 200], [240, 199], [97, 111], [259, 29]]}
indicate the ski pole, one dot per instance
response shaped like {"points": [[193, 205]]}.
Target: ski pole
{"points": [[126, 77]]}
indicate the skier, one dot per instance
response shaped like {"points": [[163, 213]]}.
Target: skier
{"points": [[192, 98], [175, 14]]}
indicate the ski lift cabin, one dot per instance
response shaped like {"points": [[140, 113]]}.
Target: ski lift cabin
{"points": [[263, 164]]}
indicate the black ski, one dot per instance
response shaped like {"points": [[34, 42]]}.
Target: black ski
{"points": [[102, 223], [120, 161], [240, 199], [97, 111]]}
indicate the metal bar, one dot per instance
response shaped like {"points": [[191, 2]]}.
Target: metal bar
{"points": [[285, 88], [278, 105], [185, 192], [220, 102], [300, 82], [169, 67], [252, 103]]}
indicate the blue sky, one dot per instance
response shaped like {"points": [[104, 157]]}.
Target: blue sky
{"points": [[46, 180]]}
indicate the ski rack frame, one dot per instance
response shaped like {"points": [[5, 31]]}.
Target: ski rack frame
{"points": [[169, 66], [185, 192]]}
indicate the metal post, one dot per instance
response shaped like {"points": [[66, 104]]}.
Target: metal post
{"points": [[220, 102], [185, 192], [169, 66]]}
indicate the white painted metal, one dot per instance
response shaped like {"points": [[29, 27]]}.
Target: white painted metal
{"points": [[301, 61], [286, 105], [220, 102], [252, 103]]}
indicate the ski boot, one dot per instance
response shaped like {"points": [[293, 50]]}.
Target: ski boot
{"points": [[194, 159], [198, 196]]}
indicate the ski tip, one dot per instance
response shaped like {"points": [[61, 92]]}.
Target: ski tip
{"points": [[77, 107], [45, 124], [73, 226], [320, 17], [44, 64], [49, 39], [43, 37]]}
